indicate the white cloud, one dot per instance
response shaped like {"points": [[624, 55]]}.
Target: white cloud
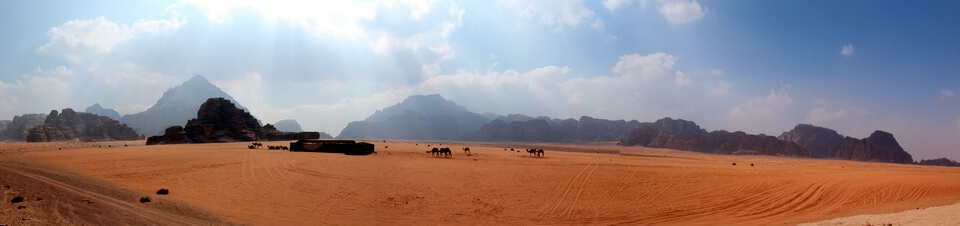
{"points": [[946, 93], [763, 107], [682, 79], [77, 39], [556, 13], [682, 11], [847, 50], [598, 24], [647, 68], [57, 71]]}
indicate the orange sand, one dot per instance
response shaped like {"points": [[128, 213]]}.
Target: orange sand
{"points": [[402, 184]]}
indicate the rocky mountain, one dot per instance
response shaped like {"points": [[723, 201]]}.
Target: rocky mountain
{"points": [[176, 106], [821, 142], [803, 140], [219, 120], [544, 129], [18, 128], [878, 147], [826, 143], [939, 162], [688, 136], [69, 125], [419, 117], [288, 125], [98, 110]]}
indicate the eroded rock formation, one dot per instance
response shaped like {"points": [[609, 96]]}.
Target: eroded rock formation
{"points": [[878, 147], [688, 136], [70, 125], [939, 162], [219, 120], [18, 128]]}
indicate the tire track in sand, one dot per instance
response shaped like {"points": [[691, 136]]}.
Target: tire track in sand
{"points": [[566, 192]]}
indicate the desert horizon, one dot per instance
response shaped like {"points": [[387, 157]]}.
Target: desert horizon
{"points": [[402, 183], [575, 112]]}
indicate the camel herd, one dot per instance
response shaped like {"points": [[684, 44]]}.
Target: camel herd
{"points": [[446, 153]]}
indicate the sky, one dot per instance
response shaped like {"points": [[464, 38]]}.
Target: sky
{"points": [[753, 65]]}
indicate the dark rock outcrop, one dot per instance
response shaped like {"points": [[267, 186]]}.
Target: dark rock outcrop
{"points": [[878, 147], [219, 120], [70, 125], [176, 106], [288, 125], [803, 141], [597, 130], [939, 162], [419, 117], [821, 142], [688, 136], [18, 128], [98, 110]]}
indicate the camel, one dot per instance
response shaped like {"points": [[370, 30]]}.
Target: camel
{"points": [[446, 152], [251, 147], [284, 148], [435, 152], [257, 145], [466, 150], [535, 152]]}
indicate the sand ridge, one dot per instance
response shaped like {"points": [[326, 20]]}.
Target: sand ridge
{"points": [[402, 184]]}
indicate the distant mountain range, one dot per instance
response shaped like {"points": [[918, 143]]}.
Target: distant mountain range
{"points": [[419, 117], [176, 106]]}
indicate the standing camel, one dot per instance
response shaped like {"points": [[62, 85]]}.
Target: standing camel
{"points": [[466, 150]]}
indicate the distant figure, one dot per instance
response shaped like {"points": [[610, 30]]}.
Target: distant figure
{"points": [[734, 164], [466, 150], [751, 164]]}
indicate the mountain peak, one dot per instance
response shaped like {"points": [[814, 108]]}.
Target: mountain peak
{"points": [[429, 105], [198, 80]]}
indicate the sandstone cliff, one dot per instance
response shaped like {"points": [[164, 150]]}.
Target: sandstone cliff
{"points": [[18, 128], [821, 142], [878, 147], [219, 120], [688, 136], [70, 125]]}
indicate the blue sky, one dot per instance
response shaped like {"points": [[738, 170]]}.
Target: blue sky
{"points": [[755, 66]]}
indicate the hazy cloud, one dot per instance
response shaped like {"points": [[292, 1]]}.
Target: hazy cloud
{"points": [[556, 14], [946, 93], [762, 108], [847, 50], [823, 116], [77, 39], [682, 11]]}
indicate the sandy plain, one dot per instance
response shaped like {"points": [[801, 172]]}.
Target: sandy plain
{"points": [[226, 183]]}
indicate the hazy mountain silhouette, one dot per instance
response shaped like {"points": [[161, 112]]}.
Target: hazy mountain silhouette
{"points": [[176, 106], [98, 110], [419, 117], [288, 125]]}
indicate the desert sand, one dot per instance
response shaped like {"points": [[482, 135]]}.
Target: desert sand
{"points": [[226, 183]]}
